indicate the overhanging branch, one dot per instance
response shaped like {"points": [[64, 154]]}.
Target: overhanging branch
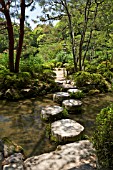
{"points": [[59, 17], [29, 4]]}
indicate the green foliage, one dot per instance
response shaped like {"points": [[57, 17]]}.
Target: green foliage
{"points": [[91, 81], [93, 91], [31, 64], [92, 68], [47, 75], [77, 95], [103, 138], [3, 60], [69, 67], [59, 64], [20, 80], [65, 113]]}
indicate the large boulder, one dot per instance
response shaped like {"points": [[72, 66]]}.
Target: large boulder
{"points": [[66, 130], [51, 112], [74, 156]]}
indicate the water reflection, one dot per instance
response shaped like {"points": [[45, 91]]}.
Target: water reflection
{"points": [[21, 122]]}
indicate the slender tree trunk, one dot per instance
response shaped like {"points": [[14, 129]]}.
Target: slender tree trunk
{"points": [[90, 36], [71, 35], [21, 36], [11, 40], [87, 8]]}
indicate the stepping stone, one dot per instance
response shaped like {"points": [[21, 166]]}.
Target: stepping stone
{"points": [[66, 130], [59, 82], [72, 105], [73, 156], [67, 86], [60, 96], [51, 112], [73, 91]]}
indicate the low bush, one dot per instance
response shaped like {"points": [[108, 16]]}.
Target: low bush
{"points": [[91, 81], [77, 95], [103, 138]]}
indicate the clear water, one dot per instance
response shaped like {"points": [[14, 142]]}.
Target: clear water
{"points": [[21, 122]]}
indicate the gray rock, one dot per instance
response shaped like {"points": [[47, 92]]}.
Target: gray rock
{"points": [[14, 162], [60, 96], [73, 156], [72, 105], [73, 90], [66, 130], [67, 86], [50, 112]]}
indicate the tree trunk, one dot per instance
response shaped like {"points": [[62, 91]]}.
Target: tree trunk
{"points": [[21, 36], [71, 35], [86, 15], [11, 40]]}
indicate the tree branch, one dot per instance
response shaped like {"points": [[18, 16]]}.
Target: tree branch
{"points": [[29, 3], [53, 18]]}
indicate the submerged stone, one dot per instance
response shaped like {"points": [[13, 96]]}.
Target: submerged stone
{"points": [[72, 105], [66, 130], [51, 112], [60, 96]]}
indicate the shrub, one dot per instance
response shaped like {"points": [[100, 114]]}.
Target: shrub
{"points": [[103, 138], [91, 81], [77, 95]]}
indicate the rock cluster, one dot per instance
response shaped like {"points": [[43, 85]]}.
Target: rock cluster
{"points": [[78, 155]]}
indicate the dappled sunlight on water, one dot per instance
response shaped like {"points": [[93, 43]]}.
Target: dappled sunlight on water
{"points": [[21, 122]]}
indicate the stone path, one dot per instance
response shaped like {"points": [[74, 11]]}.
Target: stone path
{"points": [[73, 156], [60, 74]]}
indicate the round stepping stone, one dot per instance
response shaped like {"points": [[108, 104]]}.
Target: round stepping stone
{"points": [[72, 105], [51, 112], [66, 130], [60, 96]]}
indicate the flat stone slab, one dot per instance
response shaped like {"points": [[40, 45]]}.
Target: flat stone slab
{"points": [[66, 130], [60, 96], [73, 90], [67, 86], [74, 156], [72, 105], [63, 82], [50, 112]]}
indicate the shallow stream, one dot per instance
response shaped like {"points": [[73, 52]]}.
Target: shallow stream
{"points": [[20, 121]]}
